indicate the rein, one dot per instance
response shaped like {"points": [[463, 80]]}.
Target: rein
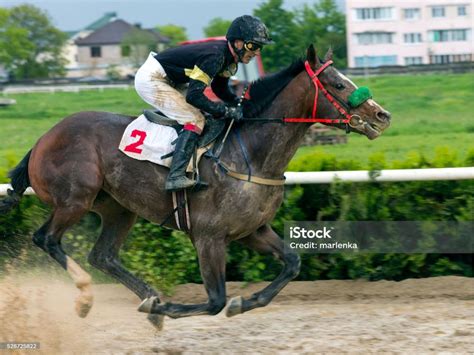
{"points": [[318, 87], [313, 119]]}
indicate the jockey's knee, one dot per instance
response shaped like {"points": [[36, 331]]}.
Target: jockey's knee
{"points": [[193, 127]]}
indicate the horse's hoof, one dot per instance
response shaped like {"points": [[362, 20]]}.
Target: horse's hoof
{"points": [[234, 307], [157, 320], [147, 304], [83, 306]]}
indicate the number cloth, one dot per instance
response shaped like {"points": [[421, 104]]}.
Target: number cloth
{"points": [[144, 140]]}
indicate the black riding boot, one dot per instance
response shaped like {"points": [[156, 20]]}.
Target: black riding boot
{"points": [[183, 152]]}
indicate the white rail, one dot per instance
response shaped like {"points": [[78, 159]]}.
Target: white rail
{"points": [[5, 187], [326, 177], [61, 88]]}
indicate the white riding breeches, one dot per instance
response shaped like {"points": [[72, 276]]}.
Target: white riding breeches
{"points": [[154, 88]]}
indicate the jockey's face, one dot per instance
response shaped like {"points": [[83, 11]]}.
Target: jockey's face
{"points": [[248, 55]]}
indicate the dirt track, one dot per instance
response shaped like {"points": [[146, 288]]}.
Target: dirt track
{"points": [[424, 315]]}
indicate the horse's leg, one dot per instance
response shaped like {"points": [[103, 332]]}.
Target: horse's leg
{"points": [[211, 253], [116, 223], [265, 240], [48, 238]]}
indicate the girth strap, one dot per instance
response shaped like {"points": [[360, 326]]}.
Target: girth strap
{"points": [[250, 178]]}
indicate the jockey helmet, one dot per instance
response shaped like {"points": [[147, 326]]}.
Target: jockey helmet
{"points": [[250, 30]]}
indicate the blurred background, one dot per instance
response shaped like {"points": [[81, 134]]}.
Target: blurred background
{"points": [[57, 58]]}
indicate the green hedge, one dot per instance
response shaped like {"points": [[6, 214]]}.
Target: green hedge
{"points": [[166, 258]]}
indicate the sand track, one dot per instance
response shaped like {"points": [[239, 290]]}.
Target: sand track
{"points": [[423, 315]]}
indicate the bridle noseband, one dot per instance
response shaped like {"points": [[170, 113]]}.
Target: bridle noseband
{"points": [[319, 87]]}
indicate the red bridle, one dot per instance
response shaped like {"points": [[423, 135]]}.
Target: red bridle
{"points": [[319, 86]]}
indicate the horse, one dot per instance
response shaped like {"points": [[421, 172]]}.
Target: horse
{"points": [[76, 167]]}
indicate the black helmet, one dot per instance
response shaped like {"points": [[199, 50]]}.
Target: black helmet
{"points": [[248, 29]]}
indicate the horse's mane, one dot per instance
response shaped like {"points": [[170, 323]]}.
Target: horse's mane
{"points": [[263, 91]]}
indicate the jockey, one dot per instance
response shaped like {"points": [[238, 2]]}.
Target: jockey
{"points": [[161, 81]]}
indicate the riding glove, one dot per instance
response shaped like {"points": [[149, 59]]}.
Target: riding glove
{"points": [[234, 113]]}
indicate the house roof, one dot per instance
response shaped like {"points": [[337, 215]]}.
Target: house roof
{"points": [[70, 34], [105, 19], [113, 33], [108, 17]]}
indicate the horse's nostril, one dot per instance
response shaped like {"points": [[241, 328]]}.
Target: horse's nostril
{"points": [[383, 116]]}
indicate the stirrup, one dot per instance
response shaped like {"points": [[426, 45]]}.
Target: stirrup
{"points": [[179, 183], [200, 185]]}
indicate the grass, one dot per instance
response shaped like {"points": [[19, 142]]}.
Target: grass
{"points": [[427, 111], [426, 104], [395, 147], [34, 114]]}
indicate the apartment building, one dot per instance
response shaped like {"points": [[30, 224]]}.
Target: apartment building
{"points": [[408, 32]]}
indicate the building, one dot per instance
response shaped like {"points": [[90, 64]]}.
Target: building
{"points": [[408, 32], [73, 68], [115, 46]]}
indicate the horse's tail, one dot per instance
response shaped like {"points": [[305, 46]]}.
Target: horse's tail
{"points": [[20, 182]]}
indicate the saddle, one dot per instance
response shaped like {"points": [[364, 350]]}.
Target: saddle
{"points": [[211, 132]]}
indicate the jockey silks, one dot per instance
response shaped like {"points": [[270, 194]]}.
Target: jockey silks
{"points": [[201, 64]]}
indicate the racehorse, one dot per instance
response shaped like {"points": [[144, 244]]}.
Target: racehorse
{"points": [[76, 167]]}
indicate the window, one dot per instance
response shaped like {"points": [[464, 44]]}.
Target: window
{"points": [[412, 14], [450, 58], [412, 38], [374, 38], [450, 35], [413, 60], [96, 52], [437, 11], [375, 61], [374, 13], [462, 11], [125, 50]]}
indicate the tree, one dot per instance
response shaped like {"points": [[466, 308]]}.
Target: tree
{"points": [[216, 27], [42, 53], [175, 33], [284, 32], [292, 31], [325, 26], [14, 43], [137, 44]]}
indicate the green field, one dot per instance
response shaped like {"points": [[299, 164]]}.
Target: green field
{"points": [[428, 111]]}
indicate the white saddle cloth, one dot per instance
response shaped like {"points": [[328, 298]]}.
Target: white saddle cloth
{"points": [[145, 140]]}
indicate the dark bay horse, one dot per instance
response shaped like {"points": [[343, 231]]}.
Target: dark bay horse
{"points": [[76, 167]]}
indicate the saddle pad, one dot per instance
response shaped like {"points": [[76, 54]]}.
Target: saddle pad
{"points": [[145, 140]]}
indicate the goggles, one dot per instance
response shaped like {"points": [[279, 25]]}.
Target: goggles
{"points": [[252, 46]]}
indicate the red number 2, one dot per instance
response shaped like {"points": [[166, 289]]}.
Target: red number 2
{"points": [[133, 148]]}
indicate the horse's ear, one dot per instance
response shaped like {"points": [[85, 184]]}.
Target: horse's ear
{"points": [[328, 55], [311, 56]]}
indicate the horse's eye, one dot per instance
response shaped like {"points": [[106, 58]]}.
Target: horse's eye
{"points": [[340, 86]]}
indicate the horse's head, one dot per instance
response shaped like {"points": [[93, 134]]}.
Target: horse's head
{"points": [[355, 105]]}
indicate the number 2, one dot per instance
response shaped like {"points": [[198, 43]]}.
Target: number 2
{"points": [[133, 148]]}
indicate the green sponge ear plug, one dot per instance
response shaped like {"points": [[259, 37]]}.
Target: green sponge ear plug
{"points": [[359, 96]]}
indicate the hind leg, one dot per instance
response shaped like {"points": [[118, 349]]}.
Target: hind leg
{"points": [[48, 238], [266, 241], [116, 223]]}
